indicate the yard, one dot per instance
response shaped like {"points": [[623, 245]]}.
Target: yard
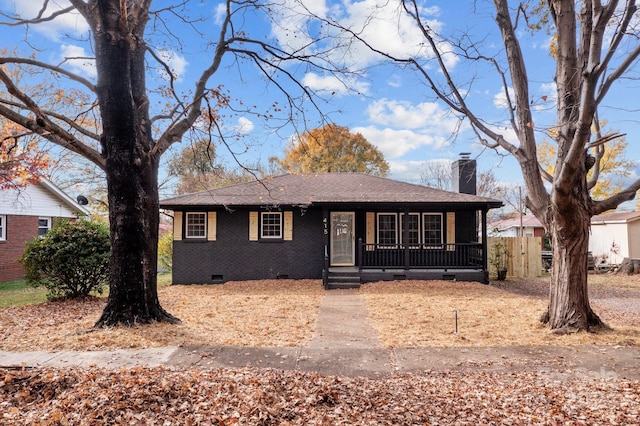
{"points": [[284, 313], [271, 313]]}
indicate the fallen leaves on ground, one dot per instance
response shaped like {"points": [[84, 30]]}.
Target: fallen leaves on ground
{"points": [[423, 313], [247, 313], [283, 313], [162, 396]]}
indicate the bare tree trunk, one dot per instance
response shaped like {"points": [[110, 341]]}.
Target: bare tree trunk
{"points": [[569, 310], [132, 175]]}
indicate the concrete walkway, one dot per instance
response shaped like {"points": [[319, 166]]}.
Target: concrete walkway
{"points": [[343, 323], [346, 344]]}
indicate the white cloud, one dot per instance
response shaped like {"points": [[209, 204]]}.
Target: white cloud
{"points": [[69, 23], [176, 63], [334, 84], [220, 13], [244, 125], [383, 24], [399, 127], [395, 143], [407, 171], [500, 99], [291, 20], [542, 100], [546, 98], [402, 114], [78, 60]]}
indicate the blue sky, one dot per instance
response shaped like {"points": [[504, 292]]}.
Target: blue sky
{"points": [[390, 106]]}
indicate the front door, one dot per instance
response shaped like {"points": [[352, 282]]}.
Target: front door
{"points": [[343, 245]]}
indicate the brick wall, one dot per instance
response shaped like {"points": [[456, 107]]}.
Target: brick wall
{"points": [[233, 257], [20, 229]]}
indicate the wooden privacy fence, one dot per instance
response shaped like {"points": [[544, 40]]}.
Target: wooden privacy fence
{"points": [[525, 260]]}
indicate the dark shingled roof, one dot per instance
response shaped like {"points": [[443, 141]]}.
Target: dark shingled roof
{"points": [[323, 188]]}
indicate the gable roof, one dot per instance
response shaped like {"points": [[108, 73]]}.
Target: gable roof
{"points": [[528, 221], [615, 217], [40, 198], [63, 196], [324, 188]]}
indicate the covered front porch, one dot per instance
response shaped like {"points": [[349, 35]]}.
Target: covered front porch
{"points": [[454, 262], [351, 276], [365, 246]]}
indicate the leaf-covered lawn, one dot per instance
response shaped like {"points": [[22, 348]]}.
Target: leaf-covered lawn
{"points": [[284, 313], [251, 313], [162, 396], [423, 313]]}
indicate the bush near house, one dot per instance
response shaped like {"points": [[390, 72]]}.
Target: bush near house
{"points": [[71, 260], [165, 252]]}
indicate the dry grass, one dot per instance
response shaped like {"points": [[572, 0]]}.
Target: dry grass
{"points": [[284, 313], [421, 313]]}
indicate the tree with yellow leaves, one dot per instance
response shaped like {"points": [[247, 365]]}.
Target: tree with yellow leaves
{"points": [[605, 178], [332, 148]]}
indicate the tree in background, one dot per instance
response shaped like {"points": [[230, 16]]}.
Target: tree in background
{"points": [[20, 158], [608, 173], [134, 129], [197, 169], [437, 174], [332, 148], [595, 47]]}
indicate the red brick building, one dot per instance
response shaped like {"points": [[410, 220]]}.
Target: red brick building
{"points": [[27, 213]]}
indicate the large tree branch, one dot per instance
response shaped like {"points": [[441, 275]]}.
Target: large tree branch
{"points": [[56, 69], [71, 122], [618, 36], [528, 160], [43, 125], [40, 17], [617, 73], [63, 139], [627, 194]]}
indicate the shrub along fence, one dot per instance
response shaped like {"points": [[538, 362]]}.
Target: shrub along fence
{"points": [[525, 256]]}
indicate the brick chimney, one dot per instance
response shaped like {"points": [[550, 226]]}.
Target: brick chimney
{"points": [[463, 172]]}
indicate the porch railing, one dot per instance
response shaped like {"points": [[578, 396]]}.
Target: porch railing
{"points": [[421, 256]]}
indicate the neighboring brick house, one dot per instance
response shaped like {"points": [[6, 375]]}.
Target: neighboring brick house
{"points": [[27, 213], [345, 228]]}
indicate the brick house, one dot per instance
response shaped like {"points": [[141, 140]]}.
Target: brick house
{"points": [[27, 213], [346, 228]]}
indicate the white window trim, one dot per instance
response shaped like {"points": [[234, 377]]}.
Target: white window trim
{"points": [[271, 237], [420, 230], [3, 227], [48, 227], [424, 225], [386, 245], [186, 225]]}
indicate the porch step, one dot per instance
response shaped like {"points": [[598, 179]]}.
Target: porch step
{"points": [[336, 280]]}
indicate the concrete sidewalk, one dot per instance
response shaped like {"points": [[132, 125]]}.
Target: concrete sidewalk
{"points": [[610, 362], [346, 344]]}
